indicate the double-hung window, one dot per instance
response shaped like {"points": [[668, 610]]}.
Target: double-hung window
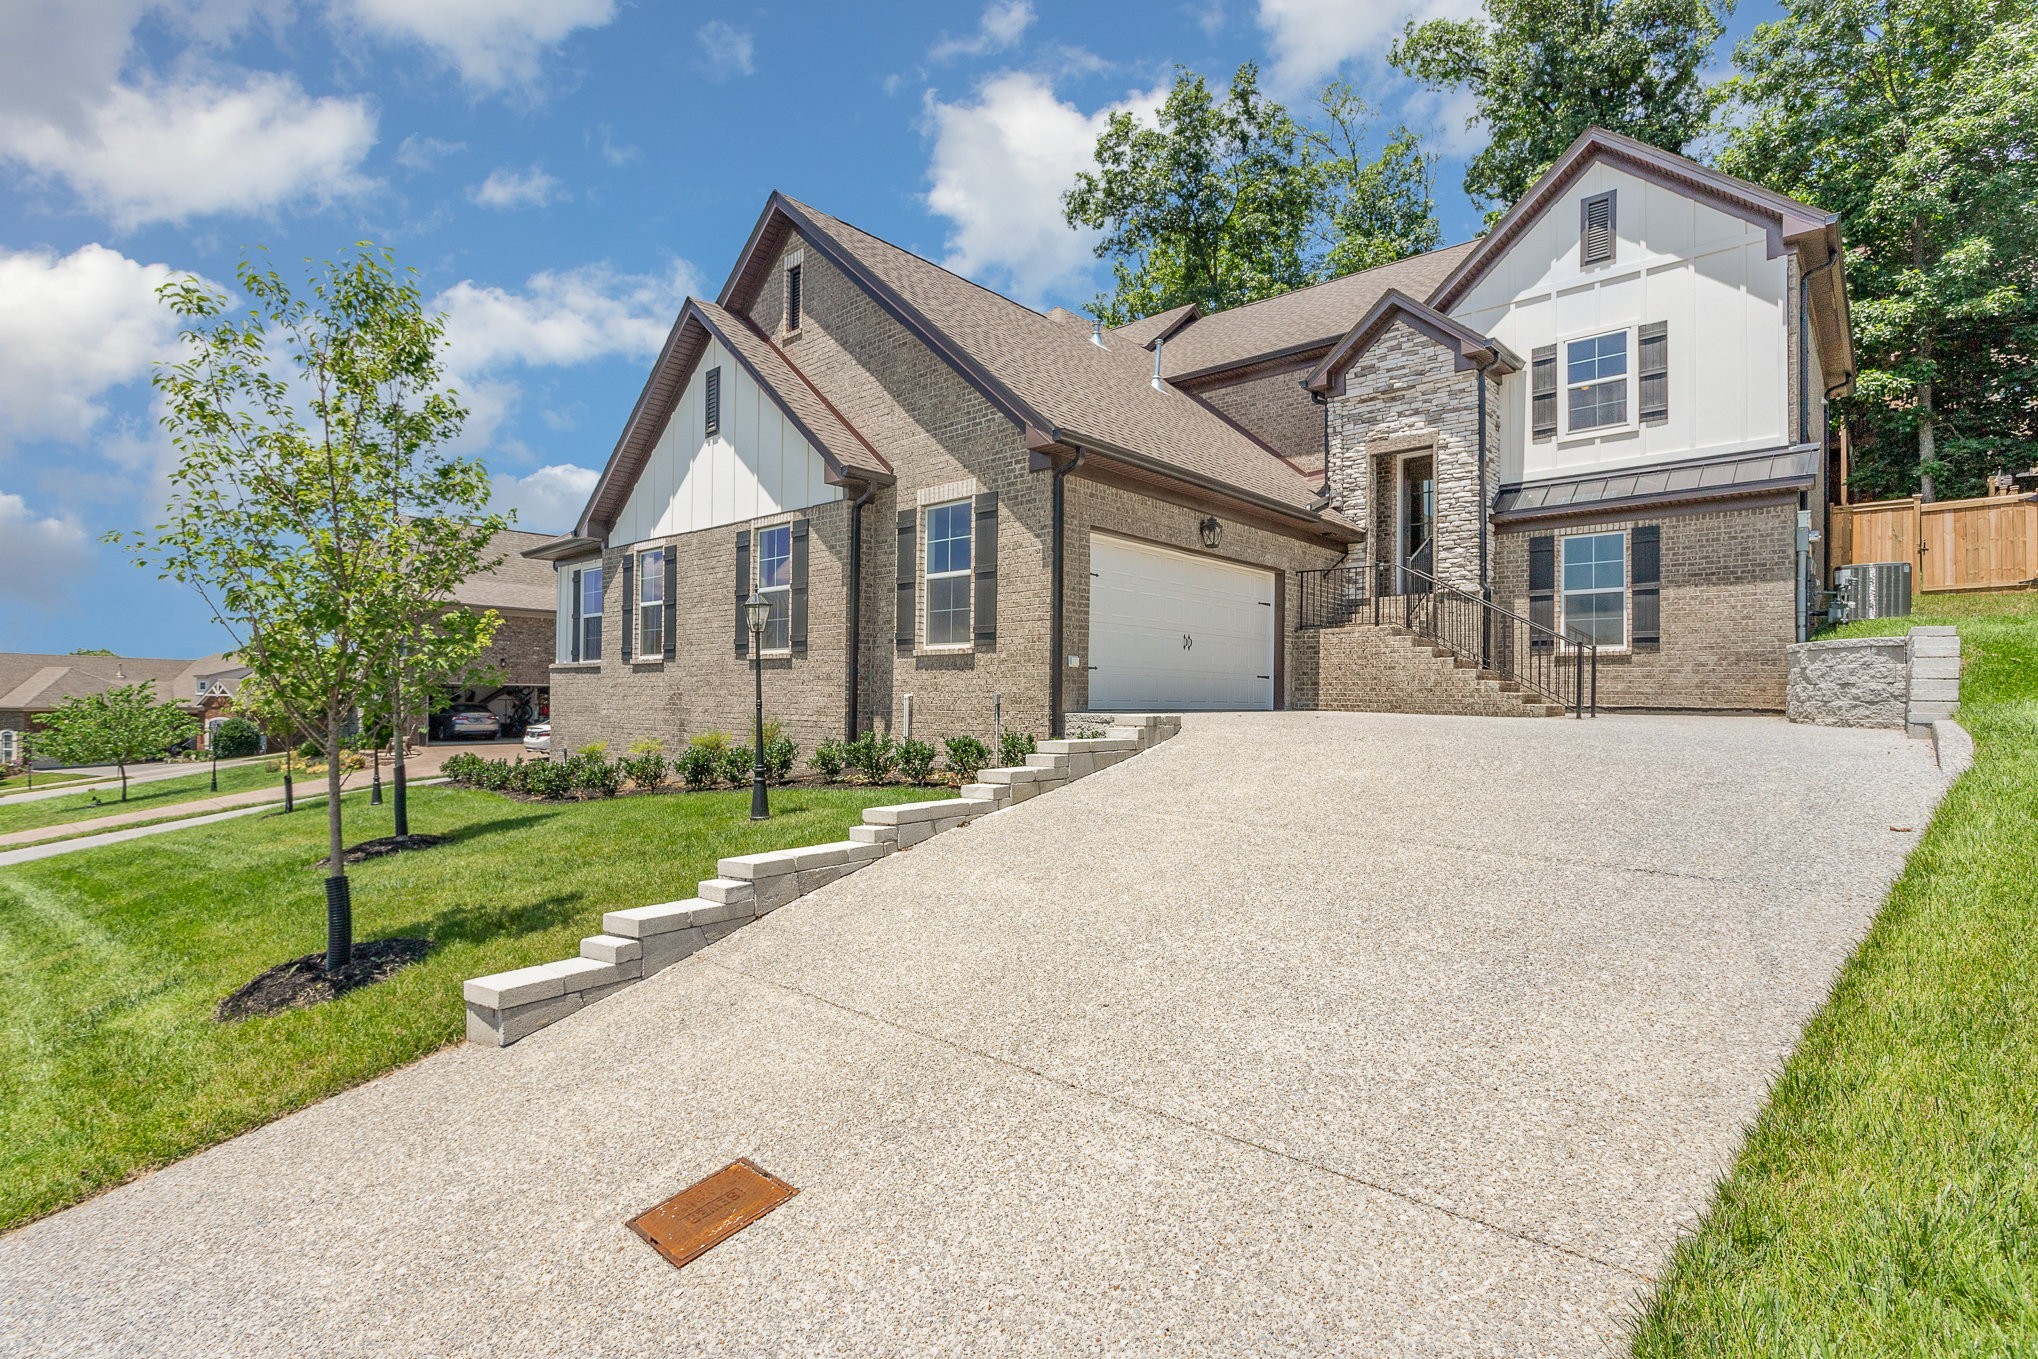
{"points": [[651, 604], [1597, 372], [590, 614], [949, 540], [775, 583], [1596, 587]]}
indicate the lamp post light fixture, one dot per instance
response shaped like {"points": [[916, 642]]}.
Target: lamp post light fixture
{"points": [[756, 611], [212, 749]]}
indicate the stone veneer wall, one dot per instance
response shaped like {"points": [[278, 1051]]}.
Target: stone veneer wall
{"points": [[1729, 606], [1911, 682], [1406, 394]]}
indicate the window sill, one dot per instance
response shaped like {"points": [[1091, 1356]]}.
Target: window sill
{"points": [[961, 649], [577, 667], [788, 336]]}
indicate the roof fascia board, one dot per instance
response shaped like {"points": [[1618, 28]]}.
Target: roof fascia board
{"points": [[1170, 472], [563, 547], [1469, 349]]}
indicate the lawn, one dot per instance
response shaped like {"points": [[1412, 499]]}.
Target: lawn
{"points": [[24, 783], [159, 794], [1886, 1202], [112, 959]]}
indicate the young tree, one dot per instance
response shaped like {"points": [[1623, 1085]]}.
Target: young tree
{"points": [[1541, 71], [119, 726], [1914, 120], [313, 500], [1378, 209]]}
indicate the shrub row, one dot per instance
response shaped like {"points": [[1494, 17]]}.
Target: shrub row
{"points": [[709, 761], [874, 757]]}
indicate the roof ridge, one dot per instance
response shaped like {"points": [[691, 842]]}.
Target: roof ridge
{"points": [[1326, 282], [915, 256]]}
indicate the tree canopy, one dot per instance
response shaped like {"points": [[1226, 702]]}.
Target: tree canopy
{"points": [[1542, 71], [120, 726]]}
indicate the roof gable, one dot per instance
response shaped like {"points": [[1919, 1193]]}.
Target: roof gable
{"points": [[1469, 348]]}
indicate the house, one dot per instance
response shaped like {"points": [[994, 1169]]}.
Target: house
{"points": [[32, 686], [519, 657], [1597, 431]]}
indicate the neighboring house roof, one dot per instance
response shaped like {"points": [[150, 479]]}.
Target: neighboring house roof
{"points": [[1472, 349], [1295, 323], [1788, 222], [31, 682], [1160, 326], [1718, 478], [516, 582], [1045, 375], [848, 455]]}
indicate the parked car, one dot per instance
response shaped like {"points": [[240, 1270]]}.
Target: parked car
{"points": [[465, 721], [538, 737]]}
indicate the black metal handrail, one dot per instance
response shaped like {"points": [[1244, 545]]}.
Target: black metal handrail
{"points": [[1560, 667]]}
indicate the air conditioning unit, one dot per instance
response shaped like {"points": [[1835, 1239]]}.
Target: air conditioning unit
{"points": [[1871, 590]]}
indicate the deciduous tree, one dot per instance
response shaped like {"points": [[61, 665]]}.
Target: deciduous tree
{"points": [[119, 726]]}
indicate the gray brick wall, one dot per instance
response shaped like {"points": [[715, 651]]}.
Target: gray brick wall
{"points": [[1276, 410]]}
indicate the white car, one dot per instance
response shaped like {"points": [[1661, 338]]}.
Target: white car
{"points": [[538, 737]]}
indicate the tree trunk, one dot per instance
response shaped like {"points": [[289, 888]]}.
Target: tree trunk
{"points": [[1928, 432], [396, 765], [121, 765], [339, 902]]}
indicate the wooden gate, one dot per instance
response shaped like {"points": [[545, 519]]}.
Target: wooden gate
{"points": [[1986, 544]]}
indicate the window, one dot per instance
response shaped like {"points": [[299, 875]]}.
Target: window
{"points": [[651, 604], [792, 297], [1596, 374], [949, 540], [712, 399], [1595, 587], [1596, 229], [590, 614], [775, 583], [10, 746]]}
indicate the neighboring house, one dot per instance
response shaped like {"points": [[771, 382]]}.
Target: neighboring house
{"points": [[520, 590], [1607, 415], [33, 685]]}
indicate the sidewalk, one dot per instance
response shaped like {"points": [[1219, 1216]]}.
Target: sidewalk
{"points": [[197, 806], [94, 780]]}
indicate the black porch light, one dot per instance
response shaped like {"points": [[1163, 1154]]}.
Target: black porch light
{"points": [[1212, 531], [756, 612]]}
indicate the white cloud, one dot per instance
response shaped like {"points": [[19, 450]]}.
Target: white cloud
{"points": [[71, 328], [729, 50], [40, 555], [1311, 39], [1002, 24], [999, 168], [425, 153], [548, 500], [565, 317], [493, 44], [506, 188], [155, 152]]}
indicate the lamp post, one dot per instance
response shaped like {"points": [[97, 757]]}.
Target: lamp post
{"points": [[212, 749], [756, 610]]}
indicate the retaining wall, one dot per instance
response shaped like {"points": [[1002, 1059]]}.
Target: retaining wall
{"points": [[1909, 682]]}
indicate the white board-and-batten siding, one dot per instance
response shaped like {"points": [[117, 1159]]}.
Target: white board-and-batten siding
{"points": [[1704, 271], [759, 464]]}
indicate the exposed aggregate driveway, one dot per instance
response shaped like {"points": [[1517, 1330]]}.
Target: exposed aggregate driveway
{"points": [[1300, 1034]]}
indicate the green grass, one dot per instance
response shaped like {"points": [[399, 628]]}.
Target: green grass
{"points": [[141, 797], [1886, 1201], [112, 959], [21, 783]]}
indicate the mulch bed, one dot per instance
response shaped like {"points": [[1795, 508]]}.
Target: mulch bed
{"points": [[387, 845], [303, 981]]}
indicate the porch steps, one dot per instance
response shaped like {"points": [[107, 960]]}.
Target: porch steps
{"points": [[1364, 667]]}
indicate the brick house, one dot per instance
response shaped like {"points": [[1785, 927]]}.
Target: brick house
{"points": [[32, 686], [1603, 420], [521, 591]]}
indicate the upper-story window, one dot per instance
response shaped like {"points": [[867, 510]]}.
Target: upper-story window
{"points": [[1596, 235], [651, 603], [775, 583], [589, 642], [1597, 374], [949, 543], [711, 399]]}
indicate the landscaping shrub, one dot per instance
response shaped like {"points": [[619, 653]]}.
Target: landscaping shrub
{"points": [[738, 765], [699, 767], [646, 765], [309, 751], [967, 755], [547, 779], [236, 738], [1013, 748], [714, 742], [464, 768], [495, 775], [779, 754], [829, 758], [593, 775], [916, 760], [872, 755]]}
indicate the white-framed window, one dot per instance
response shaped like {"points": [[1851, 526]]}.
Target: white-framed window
{"points": [[10, 746], [775, 583], [651, 604], [950, 535], [1599, 378], [590, 614], [1593, 579]]}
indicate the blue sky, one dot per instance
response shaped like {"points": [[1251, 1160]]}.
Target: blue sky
{"points": [[561, 173]]}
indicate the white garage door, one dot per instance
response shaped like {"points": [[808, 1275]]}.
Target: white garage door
{"points": [[1173, 630]]}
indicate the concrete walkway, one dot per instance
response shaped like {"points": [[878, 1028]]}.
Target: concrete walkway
{"points": [[1301, 1034], [97, 780]]}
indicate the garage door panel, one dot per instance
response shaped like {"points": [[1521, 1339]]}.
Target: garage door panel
{"points": [[1169, 629]]}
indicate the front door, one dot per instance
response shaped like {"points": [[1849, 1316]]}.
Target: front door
{"points": [[1415, 528]]}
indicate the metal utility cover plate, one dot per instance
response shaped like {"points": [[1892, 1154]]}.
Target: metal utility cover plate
{"points": [[701, 1217]]}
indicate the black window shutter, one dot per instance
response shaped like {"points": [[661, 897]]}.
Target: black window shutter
{"points": [[627, 646], [1645, 580], [602, 606], [671, 601], [1596, 229], [712, 399], [797, 604], [1543, 393], [909, 570], [573, 643], [984, 553], [1542, 589], [742, 592], [792, 298], [1654, 368]]}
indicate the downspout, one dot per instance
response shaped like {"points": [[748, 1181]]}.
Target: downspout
{"points": [[1485, 507], [855, 610], [1054, 610]]}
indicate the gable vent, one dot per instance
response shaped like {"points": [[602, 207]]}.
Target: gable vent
{"points": [[1596, 229], [792, 297], [712, 399]]}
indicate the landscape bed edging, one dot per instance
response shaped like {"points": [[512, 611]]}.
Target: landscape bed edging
{"points": [[640, 941]]}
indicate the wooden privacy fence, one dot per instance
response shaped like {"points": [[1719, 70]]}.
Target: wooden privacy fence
{"points": [[1987, 544]]}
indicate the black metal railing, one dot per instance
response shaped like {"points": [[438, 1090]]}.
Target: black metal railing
{"points": [[1563, 669]]}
